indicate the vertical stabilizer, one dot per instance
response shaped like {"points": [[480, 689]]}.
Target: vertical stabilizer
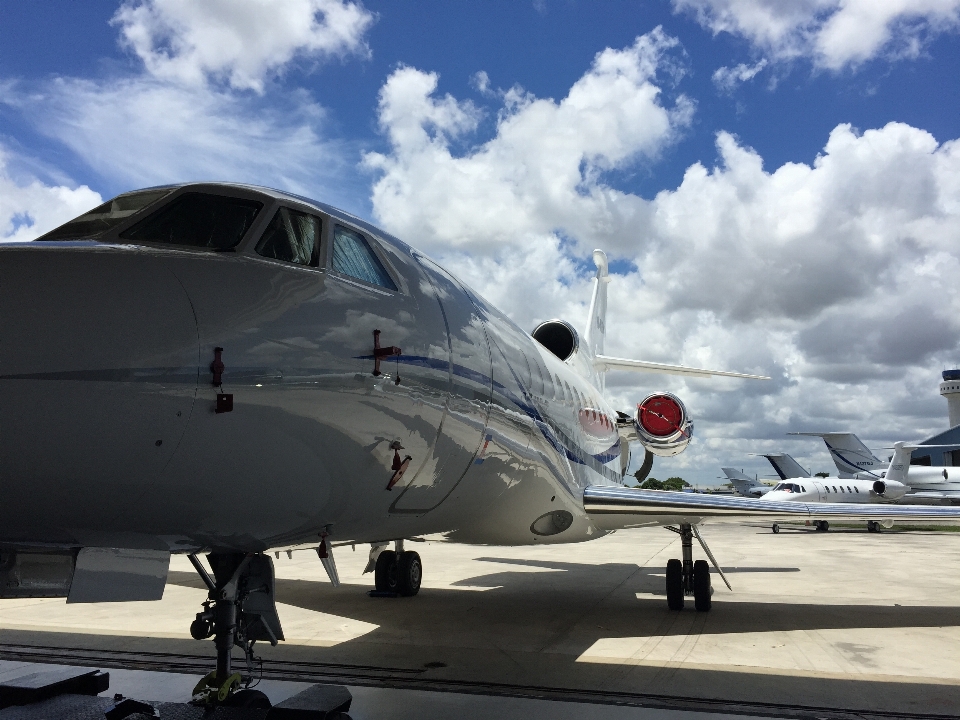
{"points": [[900, 462], [849, 454], [597, 320], [785, 466]]}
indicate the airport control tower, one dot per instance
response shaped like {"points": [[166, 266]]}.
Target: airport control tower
{"points": [[950, 389]]}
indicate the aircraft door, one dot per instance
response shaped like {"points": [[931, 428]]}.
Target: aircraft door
{"points": [[467, 407]]}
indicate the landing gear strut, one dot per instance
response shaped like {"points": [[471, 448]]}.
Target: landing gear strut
{"points": [[689, 577], [239, 610]]}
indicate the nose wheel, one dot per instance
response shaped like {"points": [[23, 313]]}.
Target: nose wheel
{"points": [[686, 577]]}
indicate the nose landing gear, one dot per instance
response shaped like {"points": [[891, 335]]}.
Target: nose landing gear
{"points": [[689, 577], [239, 610]]}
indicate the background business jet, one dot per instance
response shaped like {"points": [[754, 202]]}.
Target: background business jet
{"points": [[924, 483]]}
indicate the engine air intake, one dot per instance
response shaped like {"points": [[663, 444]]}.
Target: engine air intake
{"points": [[557, 336]]}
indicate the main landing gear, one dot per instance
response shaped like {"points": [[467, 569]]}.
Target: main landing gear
{"points": [[689, 577], [239, 610], [397, 571]]}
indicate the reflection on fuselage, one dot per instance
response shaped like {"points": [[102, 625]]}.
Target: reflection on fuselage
{"points": [[491, 420]]}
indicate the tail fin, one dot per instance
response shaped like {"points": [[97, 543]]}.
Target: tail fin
{"points": [[597, 330], [744, 484], [597, 321], [849, 454], [900, 462], [597, 325], [785, 466], [733, 474]]}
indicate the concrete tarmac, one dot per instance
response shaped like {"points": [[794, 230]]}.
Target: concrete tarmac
{"points": [[847, 619]]}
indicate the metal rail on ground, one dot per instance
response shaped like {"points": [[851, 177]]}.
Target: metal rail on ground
{"points": [[411, 679]]}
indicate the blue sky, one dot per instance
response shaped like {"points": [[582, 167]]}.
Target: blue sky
{"points": [[775, 182]]}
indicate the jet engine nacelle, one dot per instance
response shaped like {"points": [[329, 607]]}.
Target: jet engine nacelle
{"points": [[663, 425], [889, 489], [560, 338]]}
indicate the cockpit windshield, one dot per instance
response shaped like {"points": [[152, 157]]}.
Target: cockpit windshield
{"points": [[104, 217], [788, 487], [198, 220]]}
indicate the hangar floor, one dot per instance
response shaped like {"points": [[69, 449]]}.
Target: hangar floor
{"points": [[844, 620]]}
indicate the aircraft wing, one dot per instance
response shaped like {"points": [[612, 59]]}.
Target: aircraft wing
{"points": [[613, 508], [952, 495], [604, 362]]}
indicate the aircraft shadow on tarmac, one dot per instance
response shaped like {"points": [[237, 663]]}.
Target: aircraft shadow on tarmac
{"points": [[583, 603]]}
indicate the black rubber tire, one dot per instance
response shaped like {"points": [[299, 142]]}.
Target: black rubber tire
{"points": [[250, 699], [702, 591], [385, 575], [410, 573], [776, 527], [824, 526], [201, 629], [873, 526], [675, 584]]}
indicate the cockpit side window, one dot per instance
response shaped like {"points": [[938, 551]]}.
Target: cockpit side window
{"points": [[292, 237], [104, 217], [353, 256], [198, 220]]}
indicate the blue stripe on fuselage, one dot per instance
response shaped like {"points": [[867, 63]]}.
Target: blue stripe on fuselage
{"points": [[575, 453]]}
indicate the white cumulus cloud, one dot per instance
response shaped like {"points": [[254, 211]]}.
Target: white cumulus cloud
{"points": [[834, 34], [30, 207], [240, 41], [542, 170], [727, 78]]}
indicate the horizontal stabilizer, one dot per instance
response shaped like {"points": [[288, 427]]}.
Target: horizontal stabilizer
{"points": [[603, 362], [613, 508]]}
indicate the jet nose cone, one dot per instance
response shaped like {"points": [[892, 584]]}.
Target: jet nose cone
{"points": [[98, 372]]}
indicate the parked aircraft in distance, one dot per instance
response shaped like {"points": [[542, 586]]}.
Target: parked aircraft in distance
{"points": [[924, 483], [785, 466], [230, 370], [744, 484]]}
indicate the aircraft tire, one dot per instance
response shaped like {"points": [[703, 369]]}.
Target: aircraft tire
{"points": [[776, 528], [386, 575], [823, 526], [873, 526], [701, 586], [675, 584], [410, 573], [250, 699]]}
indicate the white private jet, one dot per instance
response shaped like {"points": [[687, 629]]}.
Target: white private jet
{"points": [[924, 483], [229, 370]]}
